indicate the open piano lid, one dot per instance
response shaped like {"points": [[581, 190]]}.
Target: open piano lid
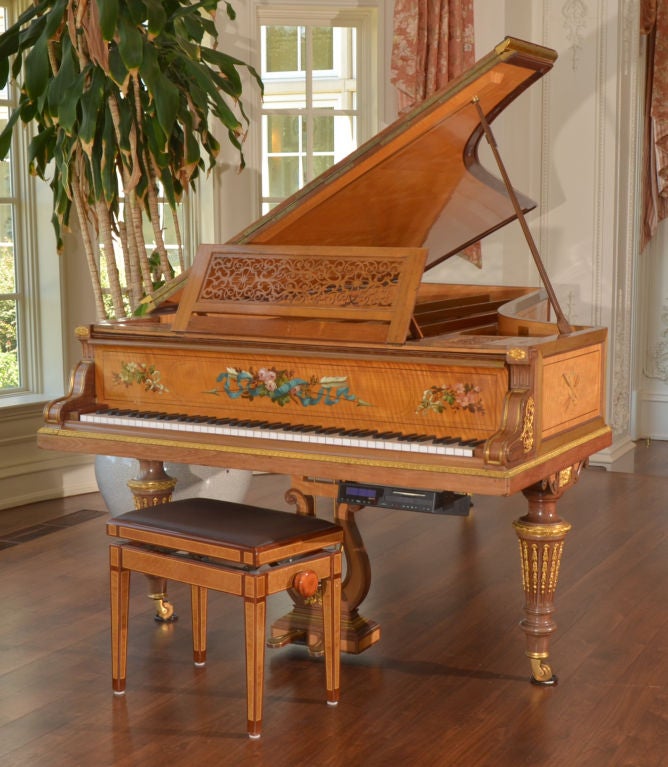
{"points": [[424, 167], [343, 257]]}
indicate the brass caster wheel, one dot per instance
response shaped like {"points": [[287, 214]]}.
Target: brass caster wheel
{"points": [[164, 611], [541, 673]]}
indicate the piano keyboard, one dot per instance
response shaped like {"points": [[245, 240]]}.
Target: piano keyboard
{"points": [[286, 432]]}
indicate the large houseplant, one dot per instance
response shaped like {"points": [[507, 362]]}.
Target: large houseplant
{"points": [[123, 96]]}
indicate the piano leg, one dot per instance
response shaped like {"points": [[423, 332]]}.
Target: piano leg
{"points": [[150, 487], [541, 534], [304, 623]]}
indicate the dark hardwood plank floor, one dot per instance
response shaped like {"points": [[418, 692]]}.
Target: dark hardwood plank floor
{"points": [[446, 686]]}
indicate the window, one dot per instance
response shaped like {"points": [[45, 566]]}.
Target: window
{"points": [[32, 336], [318, 68], [11, 308]]}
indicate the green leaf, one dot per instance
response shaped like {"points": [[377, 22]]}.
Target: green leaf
{"points": [[108, 165], [40, 151], [220, 108], [130, 45], [108, 10], [157, 17], [4, 72], [67, 109], [117, 69], [137, 11], [92, 106], [6, 135], [36, 73], [54, 18], [64, 81], [163, 92]]}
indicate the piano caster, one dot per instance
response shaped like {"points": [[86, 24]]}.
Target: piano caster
{"points": [[164, 610], [541, 673]]}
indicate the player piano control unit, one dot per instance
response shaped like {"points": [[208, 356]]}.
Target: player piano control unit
{"points": [[406, 499]]}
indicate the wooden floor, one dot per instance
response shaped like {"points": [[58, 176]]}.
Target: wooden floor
{"points": [[447, 685]]}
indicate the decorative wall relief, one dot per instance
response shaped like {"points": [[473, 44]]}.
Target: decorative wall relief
{"points": [[574, 13], [656, 365], [284, 387]]}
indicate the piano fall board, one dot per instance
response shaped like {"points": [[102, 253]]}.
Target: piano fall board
{"points": [[310, 345]]}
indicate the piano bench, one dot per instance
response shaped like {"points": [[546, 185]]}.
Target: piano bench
{"points": [[237, 549]]}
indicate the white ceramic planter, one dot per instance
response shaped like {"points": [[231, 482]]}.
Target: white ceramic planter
{"points": [[112, 474]]}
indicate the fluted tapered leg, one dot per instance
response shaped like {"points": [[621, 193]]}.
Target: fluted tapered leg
{"points": [[120, 603]]}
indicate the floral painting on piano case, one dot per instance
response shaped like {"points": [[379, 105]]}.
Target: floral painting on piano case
{"points": [[283, 387], [461, 396]]}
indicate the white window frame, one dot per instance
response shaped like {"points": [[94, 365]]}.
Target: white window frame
{"points": [[38, 285], [367, 18]]}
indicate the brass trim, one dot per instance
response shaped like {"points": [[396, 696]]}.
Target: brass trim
{"points": [[334, 459], [517, 354], [542, 531]]}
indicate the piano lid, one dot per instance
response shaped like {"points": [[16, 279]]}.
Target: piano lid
{"points": [[392, 190]]}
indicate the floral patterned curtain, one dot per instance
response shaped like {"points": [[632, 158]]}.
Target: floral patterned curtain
{"points": [[433, 43], [654, 24]]}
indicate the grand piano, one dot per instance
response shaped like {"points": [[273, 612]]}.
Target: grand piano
{"points": [[310, 345]]}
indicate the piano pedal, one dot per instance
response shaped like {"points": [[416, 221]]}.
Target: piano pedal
{"points": [[295, 636]]}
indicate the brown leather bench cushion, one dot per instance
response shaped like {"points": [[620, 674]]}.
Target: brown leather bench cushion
{"points": [[240, 525]]}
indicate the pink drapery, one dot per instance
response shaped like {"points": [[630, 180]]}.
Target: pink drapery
{"points": [[433, 43], [654, 24]]}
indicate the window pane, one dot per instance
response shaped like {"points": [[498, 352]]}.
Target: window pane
{"points": [[7, 274], [283, 49], [6, 225], [323, 48], [345, 136], [9, 366], [282, 133], [321, 163], [284, 176], [323, 134]]}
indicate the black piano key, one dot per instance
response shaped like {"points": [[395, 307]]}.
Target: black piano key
{"points": [[390, 435]]}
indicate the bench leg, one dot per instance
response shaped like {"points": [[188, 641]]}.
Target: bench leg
{"points": [[120, 603], [331, 613], [198, 602], [255, 620]]}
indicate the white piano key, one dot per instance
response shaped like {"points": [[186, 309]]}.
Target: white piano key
{"points": [[259, 433]]}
